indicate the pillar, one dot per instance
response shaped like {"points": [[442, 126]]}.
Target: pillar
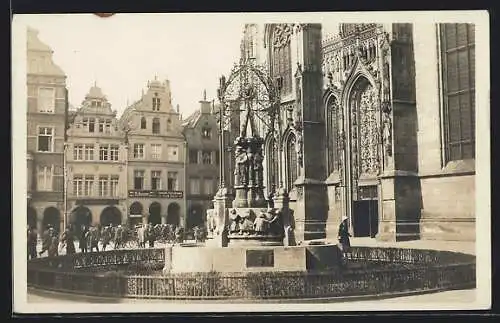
{"points": [[311, 207], [399, 191], [222, 204]]}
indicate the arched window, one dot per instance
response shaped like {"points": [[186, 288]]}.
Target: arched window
{"points": [[143, 123], [136, 208], [458, 70], [291, 161], [282, 61], [156, 126], [333, 127]]}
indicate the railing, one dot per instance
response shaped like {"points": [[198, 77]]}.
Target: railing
{"points": [[403, 270]]}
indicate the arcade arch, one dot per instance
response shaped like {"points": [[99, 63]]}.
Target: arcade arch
{"points": [[173, 214]]}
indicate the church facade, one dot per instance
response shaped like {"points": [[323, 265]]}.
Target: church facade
{"points": [[378, 124]]}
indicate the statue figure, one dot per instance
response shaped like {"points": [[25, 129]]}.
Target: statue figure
{"points": [[299, 148], [387, 135], [261, 225], [246, 226], [250, 162], [275, 223], [241, 169], [235, 221]]}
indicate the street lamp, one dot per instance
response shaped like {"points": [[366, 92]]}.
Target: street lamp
{"points": [[222, 109]]}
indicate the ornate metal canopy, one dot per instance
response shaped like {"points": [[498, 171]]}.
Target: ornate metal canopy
{"points": [[251, 93]]}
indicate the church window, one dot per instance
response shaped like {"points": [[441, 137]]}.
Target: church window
{"points": [[291, 161], [458, 90]]}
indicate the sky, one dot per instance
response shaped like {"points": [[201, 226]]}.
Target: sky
{"points": [[121, 53]]}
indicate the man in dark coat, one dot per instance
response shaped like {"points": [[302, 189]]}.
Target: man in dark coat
{"points": [[83, 239], [343, 236], [150, 235], [69, 240]]}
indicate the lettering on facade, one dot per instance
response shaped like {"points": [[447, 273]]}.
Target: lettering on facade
{"points": [[96, 202], [260, 258], [156, 194]]}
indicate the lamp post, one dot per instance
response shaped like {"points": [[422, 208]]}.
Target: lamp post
{"points": [[65, 186], [222, 110]]}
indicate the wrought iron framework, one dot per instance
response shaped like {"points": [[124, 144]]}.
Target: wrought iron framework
{"points": [[250, 90]]}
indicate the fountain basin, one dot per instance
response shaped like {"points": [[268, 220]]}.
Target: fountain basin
{"points": [[247, 258]]}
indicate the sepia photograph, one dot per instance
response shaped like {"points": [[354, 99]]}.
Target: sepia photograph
{"points": [[236, 162]]}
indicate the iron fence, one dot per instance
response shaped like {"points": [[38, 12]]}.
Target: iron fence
{"points": [[406, 270]]}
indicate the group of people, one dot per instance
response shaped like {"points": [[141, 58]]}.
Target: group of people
{"points": [[89, 238]]}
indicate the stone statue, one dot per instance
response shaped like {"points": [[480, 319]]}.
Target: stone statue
{"points": [[387, 135], [246, 226], [250, 163], [235, 221], [241, 169], [275, 222], [299, 148], [261, 224]]}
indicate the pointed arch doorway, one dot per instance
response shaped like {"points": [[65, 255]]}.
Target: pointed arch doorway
{"points": [[362, 162]]}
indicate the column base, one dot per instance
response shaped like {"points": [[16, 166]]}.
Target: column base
{"points": [[392, 231]]}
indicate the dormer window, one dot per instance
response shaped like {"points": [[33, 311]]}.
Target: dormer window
{"points": [[96, 104], [156, 103], [206, 133]]}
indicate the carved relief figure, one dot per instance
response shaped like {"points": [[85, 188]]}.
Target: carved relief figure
{"points": [[282, 33], [275, 221], [387, 134], [235, 221], [246, 224], [299, 148], [385, 49], [261, 224]]}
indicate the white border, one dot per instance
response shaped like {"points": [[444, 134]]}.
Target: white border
{"points": [[483, 239]]}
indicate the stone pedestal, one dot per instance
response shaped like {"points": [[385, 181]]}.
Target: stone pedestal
{"points": [[222, 203], [241, 196], [311, 210], [400, 209]]}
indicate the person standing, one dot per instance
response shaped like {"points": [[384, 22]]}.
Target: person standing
{"points": [[83, 239], [151, 235], [46, 240], [69, 240], [344, 237], [54, 246]]}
